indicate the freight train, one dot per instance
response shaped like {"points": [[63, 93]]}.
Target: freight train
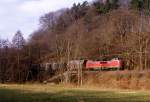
{"points": [[54, 68], [89, 65]]}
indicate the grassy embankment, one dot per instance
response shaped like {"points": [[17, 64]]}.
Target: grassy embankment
{"points": [[51, 93]]}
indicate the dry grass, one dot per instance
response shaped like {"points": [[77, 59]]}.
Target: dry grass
{"points": [[106, 87], [120, 80]]}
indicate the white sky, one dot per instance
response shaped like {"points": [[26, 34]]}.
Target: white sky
{"points": [[24, 14]]}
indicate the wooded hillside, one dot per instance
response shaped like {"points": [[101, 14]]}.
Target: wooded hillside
{"points": [[95, 30]]}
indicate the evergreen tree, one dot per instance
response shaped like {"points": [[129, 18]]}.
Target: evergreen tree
{"points": [[18, 40], [0, 43], [104, 7], [146, 4], [135, 4], [114, 4], [6, 43], [140, 4]]}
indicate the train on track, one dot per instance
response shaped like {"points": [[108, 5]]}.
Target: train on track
{"points": [[96, 65], [54, 68], [90, 65]]}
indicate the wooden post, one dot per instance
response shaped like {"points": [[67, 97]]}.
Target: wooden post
{"points": [[81, 72], [68, 58], [18, 65], [145, 64], [78, 75]]}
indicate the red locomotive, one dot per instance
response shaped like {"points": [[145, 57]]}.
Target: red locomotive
{"points": [[112, 64], [95, 65]]}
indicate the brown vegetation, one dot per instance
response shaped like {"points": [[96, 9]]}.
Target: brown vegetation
{"points": [[86, 31], [119, 79]]}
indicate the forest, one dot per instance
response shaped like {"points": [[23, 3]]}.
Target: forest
{"points": [[88, 30]]}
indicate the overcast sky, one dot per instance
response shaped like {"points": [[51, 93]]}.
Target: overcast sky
{"points": [[24, 14]]}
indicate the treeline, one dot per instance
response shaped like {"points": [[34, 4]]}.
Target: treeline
{"points": [[97, 30], [18, 60]]}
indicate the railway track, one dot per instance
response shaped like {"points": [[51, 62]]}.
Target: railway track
{"points": [[124, 72]]}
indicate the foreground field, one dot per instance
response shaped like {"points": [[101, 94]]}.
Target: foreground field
{"points": [[52, 93]]}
